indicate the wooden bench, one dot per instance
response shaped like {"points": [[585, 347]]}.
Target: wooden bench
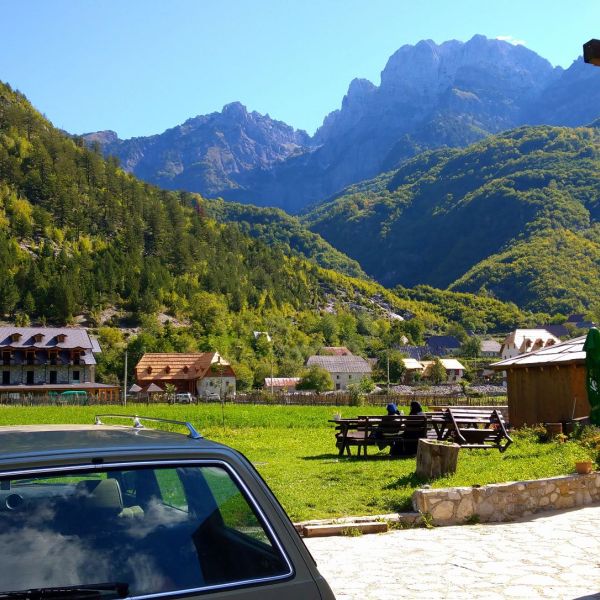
{"points": [[381, 431], [470, 428]]}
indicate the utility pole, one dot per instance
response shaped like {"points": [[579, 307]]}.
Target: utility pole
{"points": [[272, 368], [387, 356], [125, 382]]}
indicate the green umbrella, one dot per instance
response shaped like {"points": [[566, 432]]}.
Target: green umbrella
{"points": [[592, 365]]}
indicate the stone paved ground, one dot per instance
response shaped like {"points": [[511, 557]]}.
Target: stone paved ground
{"points": [[556, 555]]}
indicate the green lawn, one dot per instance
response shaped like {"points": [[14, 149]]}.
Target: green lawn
{"points": [[293, 448]]}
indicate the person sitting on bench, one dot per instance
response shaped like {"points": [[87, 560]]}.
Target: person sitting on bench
{"points": [[407, 446], [416, 408]]}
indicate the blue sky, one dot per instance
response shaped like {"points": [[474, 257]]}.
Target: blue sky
{"points": [[141, 66]]}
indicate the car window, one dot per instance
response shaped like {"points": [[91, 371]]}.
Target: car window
{"points": [[152, 530]]}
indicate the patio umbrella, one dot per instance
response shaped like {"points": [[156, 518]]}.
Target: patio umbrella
{"points": [[135, 389], [592, 365], [152, 389]]}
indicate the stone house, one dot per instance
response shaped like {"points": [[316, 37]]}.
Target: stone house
{"points": [[37, 361], [344, 370], [47, 355], [490, 348]]}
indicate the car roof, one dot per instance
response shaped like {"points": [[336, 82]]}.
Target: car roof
{"points": [[36, 443]]}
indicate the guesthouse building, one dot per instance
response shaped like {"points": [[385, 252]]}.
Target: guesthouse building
{"points": [[203, 374], [38, 361]]}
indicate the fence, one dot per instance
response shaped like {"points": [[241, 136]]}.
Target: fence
{"points": [[337, 399], [341, 399]]}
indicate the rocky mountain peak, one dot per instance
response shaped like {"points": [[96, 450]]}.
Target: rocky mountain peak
{"points": [[102, 137], [430, 95], [235, 110]]}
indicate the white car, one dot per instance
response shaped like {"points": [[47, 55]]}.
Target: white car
{"points": [[184, 398]]}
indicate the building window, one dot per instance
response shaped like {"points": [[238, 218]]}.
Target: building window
{"points": [[29, 377], [5, 377], [6, 357], [75, 375], [53, 375], [337, 376]]}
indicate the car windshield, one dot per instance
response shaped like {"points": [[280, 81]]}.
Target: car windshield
{"points": [[144, 530]]}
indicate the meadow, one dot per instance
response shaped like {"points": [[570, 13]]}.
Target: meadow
{"points": [[293, 447]]}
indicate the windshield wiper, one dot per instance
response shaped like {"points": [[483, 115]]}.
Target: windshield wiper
{"points": [[74, 592]]}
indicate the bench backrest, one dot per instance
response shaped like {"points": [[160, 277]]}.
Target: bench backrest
{"points": [[394, 425], [475, 416]]}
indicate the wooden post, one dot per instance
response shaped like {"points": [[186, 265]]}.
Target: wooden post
{"points": [[435, 459]]}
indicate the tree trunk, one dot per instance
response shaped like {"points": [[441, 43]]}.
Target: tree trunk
{"points": [[435, 459]]}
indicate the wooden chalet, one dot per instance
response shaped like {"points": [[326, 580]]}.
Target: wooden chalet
{"points": [[200, 373]]}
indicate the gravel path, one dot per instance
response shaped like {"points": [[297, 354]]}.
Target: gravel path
{"points": [[556, 555]]}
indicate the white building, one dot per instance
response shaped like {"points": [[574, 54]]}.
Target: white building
{"points": [[344, 370], [522, 341], [454, 369]]}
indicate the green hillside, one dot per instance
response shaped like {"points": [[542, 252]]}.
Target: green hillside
{"points": [[460, 219], [79, 236], [276, 227]]}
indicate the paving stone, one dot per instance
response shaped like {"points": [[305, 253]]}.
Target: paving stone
{"points": [[556, 555]]}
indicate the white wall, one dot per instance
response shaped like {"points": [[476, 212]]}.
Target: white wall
{"points": [[216, 385], [343, 379]]}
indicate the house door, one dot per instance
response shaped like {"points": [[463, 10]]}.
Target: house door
{"points": [[52, 376], [29, 380], [5, 377]]}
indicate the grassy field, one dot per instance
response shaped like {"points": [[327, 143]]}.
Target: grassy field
{"points": [[293, 448]]}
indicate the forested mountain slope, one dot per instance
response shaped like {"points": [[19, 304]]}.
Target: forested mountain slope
{"points": [[79, 235], [514, 215], [274, 226]]}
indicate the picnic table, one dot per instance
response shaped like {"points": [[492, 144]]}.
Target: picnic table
{"points": [[479, 428], [398, 431], [482, 428]]}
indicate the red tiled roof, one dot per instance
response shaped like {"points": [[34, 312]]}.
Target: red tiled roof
{"points": [[171, 366]]}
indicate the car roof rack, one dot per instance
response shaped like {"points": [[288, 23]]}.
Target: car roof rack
{"points": [[137, 422]]}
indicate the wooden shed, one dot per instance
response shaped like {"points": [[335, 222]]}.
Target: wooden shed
{"points": [[548, 385]]}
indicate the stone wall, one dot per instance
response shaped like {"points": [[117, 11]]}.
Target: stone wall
{"points": [[507, 501], [41, 374]]}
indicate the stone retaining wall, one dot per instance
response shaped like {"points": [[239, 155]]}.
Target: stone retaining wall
{"points": [[507, 501]]}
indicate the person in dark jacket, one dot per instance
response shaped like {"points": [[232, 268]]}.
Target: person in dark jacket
{"points": [[407, 446], [416, 408]]}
